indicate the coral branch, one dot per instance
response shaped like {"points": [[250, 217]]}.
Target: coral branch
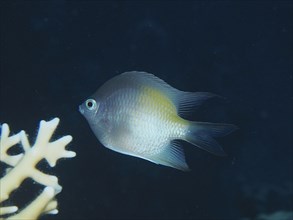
{"points": [[23, 166], [7, 142]]}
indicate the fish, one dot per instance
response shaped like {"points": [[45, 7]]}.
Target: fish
{"points": [[138, 114]]}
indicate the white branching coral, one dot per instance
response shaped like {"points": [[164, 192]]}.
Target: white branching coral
{"points": [[23, 166]]}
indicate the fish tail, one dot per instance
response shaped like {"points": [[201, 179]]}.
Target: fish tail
{"points": [[202, 134]]}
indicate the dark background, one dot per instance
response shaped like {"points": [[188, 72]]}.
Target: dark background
{"points": [[54, 54]]}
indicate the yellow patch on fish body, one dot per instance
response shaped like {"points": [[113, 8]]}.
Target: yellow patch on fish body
{"points": [[163, 108], [154, 123], [137, 114], [156, 99]]}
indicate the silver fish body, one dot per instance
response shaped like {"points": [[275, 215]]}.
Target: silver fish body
{"points": [[138, 114]]}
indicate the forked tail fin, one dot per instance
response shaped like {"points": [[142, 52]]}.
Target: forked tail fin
{"points": [[201, 134]]}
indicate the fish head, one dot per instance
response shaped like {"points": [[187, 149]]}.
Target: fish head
{"points": [[95, 112], [90, 110]]}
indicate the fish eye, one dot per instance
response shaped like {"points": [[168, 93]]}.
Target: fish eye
{"points": [[91, 104]]}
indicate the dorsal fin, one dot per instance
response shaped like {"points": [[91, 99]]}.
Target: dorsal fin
{"points": [[150, 80], [183, 101]]}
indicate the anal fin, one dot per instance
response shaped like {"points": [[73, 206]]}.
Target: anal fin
{"points": [[171, 156]]}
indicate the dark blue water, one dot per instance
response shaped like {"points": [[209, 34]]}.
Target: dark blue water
{"points": [[55, 54]]}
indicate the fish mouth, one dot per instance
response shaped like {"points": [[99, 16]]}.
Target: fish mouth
{"points": [[80, 109]]}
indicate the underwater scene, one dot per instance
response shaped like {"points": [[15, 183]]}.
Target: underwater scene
{"points": [[151, 109]]}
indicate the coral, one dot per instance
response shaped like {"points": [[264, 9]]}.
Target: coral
{"points": [[283, 215], [261, 200], [24, 165]]}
